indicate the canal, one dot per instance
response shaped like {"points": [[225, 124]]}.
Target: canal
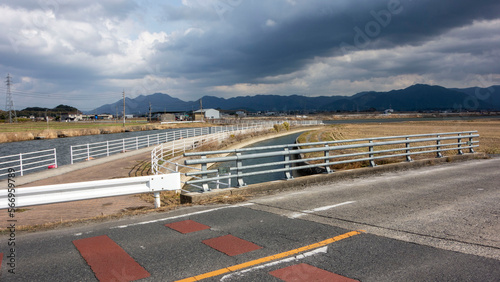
{"points": [[287, 139]]}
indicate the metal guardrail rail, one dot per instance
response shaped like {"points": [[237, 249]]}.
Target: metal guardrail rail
{"points": [[25, 162], [50, 194], [91, 151], [355, 150]]}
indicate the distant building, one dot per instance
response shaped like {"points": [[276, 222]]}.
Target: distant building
{"points": [[241, 114], [96, 117], [165, 117], [71, 117], [208, 114], [388, 111]]}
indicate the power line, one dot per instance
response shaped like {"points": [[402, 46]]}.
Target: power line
{"points": [[46, 95], [9, 103]]}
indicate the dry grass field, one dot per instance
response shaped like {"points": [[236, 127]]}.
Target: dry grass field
{"points": [[489, 140]]}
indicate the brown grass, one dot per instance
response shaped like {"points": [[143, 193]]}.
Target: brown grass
{"points": [[489, 131]]}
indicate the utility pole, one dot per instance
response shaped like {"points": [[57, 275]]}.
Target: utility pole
{"points": [[123, 107], [149, 111], [9, 104], [47, 119], [201, 109]]}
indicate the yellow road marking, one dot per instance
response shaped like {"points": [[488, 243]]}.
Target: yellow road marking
{"points": [[271, 258]]}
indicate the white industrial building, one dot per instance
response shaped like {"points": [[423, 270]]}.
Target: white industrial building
{"points": [[209, 113]]}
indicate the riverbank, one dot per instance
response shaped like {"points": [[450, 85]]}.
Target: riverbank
{"points": [[37, 130]]}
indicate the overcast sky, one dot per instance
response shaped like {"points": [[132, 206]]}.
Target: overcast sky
{"points": [[85, 53]]}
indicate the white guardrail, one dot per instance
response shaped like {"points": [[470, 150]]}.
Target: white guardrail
{"points": [[316, 155], [50, 194], [102, 149], [24, 162]]}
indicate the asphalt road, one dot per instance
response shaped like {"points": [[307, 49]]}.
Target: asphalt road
{"points": [[432, 224]]}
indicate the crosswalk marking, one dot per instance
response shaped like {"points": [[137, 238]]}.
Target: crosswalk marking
{"points": [[108, 260]]}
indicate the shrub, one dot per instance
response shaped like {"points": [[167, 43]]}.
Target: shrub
{"points": [[286, 125]]}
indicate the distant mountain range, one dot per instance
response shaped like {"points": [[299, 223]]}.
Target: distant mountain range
{"points": [[419, 97]]}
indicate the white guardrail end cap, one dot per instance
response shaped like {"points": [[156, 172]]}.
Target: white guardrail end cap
{"points": [[165, 182]]}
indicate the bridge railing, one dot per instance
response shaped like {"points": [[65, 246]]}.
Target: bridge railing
{"points": [[27, 162], [85, 152], [325, 155]]}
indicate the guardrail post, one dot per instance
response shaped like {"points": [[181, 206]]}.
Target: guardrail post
{"points": [[137, 143], [438, 148], [88, 152], [327, 159], [157, 199], [55, 157], [471, 149], [154, 159], [239, 172], [288, 175], [71, 153], [408, 156], [204, 176], [148, 140], [370, 149], [107, 148], [21, 163], [460, 152]]}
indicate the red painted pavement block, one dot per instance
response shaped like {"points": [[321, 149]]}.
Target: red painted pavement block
{"points": [[231, 245], [306, 272], [108, 260], [187, 226]]}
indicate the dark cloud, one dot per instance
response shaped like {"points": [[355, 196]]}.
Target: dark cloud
{"points": [[246, 47], [273, 46]]}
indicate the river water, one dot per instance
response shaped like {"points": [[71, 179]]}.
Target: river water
{"points": [[63, 145], [287, 139]]}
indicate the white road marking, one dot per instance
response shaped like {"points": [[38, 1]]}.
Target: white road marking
{"points": [[80, 234], [180, 216], [294, 258], [305, 212]]}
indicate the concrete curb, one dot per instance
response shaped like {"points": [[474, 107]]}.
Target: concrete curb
{"points": [[305, 181]]}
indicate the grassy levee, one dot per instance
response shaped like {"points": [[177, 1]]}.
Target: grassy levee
{"points": [[489, 131], [30, 130]]}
